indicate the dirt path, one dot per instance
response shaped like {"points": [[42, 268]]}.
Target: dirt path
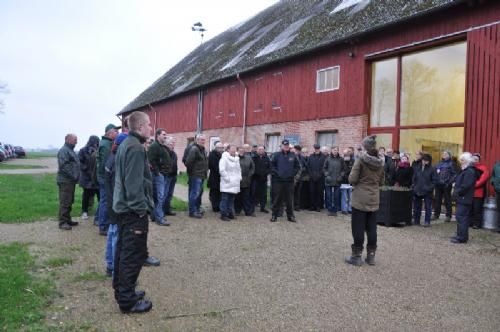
{"points": [[252, 275], [49, 166]]}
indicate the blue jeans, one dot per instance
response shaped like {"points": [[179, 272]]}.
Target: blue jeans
{"points": [[332, 198], [195, 191], [161, 185], [103, 209], [226, 204], [417, 212], [170, 182], [346, 199], [111, 245]]}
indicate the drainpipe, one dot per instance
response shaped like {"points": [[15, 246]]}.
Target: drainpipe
{"points": [[245, 97], [199, 128], [154, 111]]}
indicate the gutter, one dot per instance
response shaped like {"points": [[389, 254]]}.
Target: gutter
{"points": [[245, 98]]}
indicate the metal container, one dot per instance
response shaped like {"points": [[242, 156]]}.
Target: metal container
{"points": [[490, 214]]}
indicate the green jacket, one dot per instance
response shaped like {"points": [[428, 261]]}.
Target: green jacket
{"points": [[495, 177], [133, 184], [160, 159], [197, 162], [247, 170], [69, 165], [102, 156]]}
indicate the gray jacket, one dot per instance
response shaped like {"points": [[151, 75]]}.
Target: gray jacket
{"points": [[247, 170], [334, 170], [69, 165]]}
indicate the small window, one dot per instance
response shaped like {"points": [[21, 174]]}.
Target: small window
{"points": [[327, 138], [273, 142], [328, 79]]}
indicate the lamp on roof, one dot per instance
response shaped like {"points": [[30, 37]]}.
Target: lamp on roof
{"points": [[199, 27]]}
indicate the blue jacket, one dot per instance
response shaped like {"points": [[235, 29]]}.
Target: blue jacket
{"points": [[465, 182], [446, 172], [284, 166]]}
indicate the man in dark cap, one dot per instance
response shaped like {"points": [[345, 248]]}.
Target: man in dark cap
{"points": [[284, 168], [316, 178], [110, 133]]}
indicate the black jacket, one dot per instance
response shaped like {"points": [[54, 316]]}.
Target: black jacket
{"points": [[88, 164], [389, 171], [159, 159], [262, 166], [109, 186], [173, 157], [465, 182], [213, 165], [348, 167], [404, 176], [284, 166], [197, 161], [315, 164], [304, 171], [424, 180]]}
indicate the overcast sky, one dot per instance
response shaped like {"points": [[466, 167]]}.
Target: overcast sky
{"points": [[72, 65]]}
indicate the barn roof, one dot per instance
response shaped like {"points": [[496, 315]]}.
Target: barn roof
{"points": [[286, 29]]}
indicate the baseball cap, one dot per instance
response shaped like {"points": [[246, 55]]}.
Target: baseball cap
{"points": [[285, 142], [316, 146], [111, 126]]}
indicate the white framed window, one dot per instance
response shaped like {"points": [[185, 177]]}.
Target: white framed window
{"points": [[328, 79], [326, 138], [273, 142]]}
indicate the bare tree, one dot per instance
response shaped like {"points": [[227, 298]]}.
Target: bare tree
{"points": [[3, 90]]}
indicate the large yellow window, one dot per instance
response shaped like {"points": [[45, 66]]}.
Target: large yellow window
{"points": [[433, 86], [384, 87]]}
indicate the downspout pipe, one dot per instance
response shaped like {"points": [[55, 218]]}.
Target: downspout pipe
{"points": [[245, 98], [199, 119], [154, 111]]}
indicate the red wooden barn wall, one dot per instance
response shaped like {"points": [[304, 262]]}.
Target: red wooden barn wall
{"points": [[223, 106], [178, 114], [482, 115]]}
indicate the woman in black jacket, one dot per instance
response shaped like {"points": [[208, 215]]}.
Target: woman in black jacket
{"points": [[424, 179], [404, 173], [463, 195]]}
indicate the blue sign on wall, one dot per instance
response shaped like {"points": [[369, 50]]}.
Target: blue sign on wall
{"points": [[294, 139]]}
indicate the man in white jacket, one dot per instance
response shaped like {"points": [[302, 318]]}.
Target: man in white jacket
{"points": [[230, 178]]}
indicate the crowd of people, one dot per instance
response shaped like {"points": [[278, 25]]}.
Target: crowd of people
{"points": [[133, 177]]}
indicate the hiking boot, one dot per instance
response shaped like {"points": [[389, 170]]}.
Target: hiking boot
{"points": [[370, 255], [85, 216], [65, 226], [224, 218], [292, 219], [355, 258], [73, 223], [195, 215], [163, 223], [139, 307], [274, 218], [152, 261]]}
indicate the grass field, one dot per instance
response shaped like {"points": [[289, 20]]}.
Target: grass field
{"points": [[182, 178], [38, 155], [10, 166], [23, 294], [31, 197]]}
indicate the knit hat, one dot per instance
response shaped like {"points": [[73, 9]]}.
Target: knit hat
{"points": [[369, 143]]}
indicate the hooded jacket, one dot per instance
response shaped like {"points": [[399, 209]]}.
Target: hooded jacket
{"points": [[230, 173], [367, 175], [88, 164]]}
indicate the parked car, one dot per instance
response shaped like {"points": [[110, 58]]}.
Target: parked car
{"points": [[11, 150], [3, 154], [20, 153]]}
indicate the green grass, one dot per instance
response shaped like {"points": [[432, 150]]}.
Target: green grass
{"points": [[178, 204], [9, 166], [58, 261], [182, 179], [90, 276], [22, 295], [38, 155], [30, 197]]}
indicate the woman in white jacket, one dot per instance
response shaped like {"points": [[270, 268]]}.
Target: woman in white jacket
{"points": [[230, 177]]}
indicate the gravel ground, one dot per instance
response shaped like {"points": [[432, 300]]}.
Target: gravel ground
{"points": [[253, 275]]}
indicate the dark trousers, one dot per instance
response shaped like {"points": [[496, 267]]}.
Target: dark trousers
{"points": [[417, 208], [215, 197], [131, 253], [66, 199], [283, 192], [332, 198], [167, 207], [316, 191], [477, 211], [297, 191], [364, 222], [463, 218], [243, 201], [440, 192], [88, 198], [259, 187], [227, 204]]}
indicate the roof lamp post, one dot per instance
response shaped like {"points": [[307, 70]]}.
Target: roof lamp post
{"points": [[199, 27]]}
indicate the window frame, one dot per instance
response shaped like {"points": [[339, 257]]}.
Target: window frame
{"points": [[324, 70], [266, 145], [335, 132]]}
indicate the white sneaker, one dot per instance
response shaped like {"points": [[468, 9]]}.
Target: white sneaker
{"points": [[85, 216]]}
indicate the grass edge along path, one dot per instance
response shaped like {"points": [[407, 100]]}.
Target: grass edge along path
{"points": [[32, 197], [23, 295], [4, 165]]}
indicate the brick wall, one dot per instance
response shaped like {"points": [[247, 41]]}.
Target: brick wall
{"points": [[350, 131]]}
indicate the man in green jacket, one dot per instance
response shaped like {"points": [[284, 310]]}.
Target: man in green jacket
{"points": [[111, 131], [132, 201], [161, 165], [197, 168], [68, 173]]}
